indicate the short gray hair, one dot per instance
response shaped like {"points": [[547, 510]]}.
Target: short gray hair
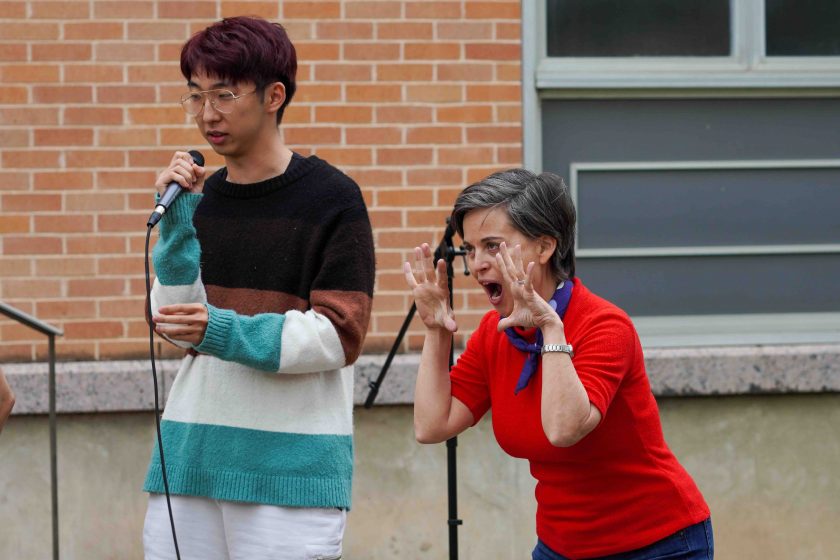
{"points": [[536, 205]]}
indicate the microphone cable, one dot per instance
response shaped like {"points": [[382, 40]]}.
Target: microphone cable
{"points": [[173, 190], [154, 378]]}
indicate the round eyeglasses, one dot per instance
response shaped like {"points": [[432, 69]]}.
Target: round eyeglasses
{"points": [[222, 100]]}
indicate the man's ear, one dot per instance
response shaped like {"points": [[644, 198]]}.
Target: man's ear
{"points": [[546, 247], [274, 96]]}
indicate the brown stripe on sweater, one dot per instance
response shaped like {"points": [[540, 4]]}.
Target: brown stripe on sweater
{"points": [[349, 312], [249, 301]]}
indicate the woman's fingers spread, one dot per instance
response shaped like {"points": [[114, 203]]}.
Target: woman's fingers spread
{"points": [[509, 261], [517, 258], [513, 259], [419, 273], [428, 261], [442, 280], [505, 264], [500, 261], [409, 275], [503, 249], [515, 270]]}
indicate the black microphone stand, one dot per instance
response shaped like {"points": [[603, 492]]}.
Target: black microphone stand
{"points": [[447, 251]]}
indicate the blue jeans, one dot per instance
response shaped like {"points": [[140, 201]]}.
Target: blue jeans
{"points": [[692, 543]]}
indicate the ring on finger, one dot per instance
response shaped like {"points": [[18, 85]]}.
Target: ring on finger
{"points": [[521, 282]]}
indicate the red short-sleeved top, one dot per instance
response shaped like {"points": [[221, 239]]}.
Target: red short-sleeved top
{"points": [[620, 487]]}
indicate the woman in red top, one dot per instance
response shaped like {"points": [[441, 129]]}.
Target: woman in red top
{"points": [[563, 371]]}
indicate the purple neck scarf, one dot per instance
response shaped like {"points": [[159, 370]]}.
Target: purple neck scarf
{"points": [[559, 302]]}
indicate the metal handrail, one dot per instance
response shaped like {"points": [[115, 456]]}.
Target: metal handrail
{"points": [[51, 332]]}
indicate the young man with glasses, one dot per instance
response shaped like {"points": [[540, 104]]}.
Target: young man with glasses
{"points": [[265, 275]]}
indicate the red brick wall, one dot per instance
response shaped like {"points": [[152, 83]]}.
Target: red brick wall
{"points": [[412, 99]]}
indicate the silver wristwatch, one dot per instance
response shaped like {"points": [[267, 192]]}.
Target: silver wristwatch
{"points": [[567, 348]]}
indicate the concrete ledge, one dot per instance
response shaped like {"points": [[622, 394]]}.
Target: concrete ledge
{"points": [[738, 370], [117, 386]]}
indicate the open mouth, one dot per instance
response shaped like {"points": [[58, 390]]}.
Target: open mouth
{"points": [[494, 291]]}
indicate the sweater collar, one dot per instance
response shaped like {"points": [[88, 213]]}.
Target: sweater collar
{"points": [[299, 166]]}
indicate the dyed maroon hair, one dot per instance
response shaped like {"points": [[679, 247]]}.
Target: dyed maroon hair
{"points": [[243, 49]]}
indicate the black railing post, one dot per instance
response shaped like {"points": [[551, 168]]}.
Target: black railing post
{"points": [[53, 451], [51, 332]]}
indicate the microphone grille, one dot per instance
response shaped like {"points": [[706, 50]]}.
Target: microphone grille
{"points": [[197, 157]]}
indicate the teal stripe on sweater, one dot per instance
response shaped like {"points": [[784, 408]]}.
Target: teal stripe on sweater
{"points": [[239, 464]]}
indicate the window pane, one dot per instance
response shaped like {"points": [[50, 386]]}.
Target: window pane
{"points": [[803, 27], [638, 28], [716, 285], [708, 207]]}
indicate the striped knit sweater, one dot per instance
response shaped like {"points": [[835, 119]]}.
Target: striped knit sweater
{"points": [[261, 410]]}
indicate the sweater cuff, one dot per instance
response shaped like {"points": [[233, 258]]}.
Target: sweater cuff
{"points": [[219, 323], [180, 212], [182, 208]]}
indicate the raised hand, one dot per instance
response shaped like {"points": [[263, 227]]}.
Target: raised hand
{"points": [[183, 171], [428, 284], [529, 308]]}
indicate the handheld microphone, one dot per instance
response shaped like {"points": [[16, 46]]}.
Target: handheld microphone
{"points": [[172, 191]]}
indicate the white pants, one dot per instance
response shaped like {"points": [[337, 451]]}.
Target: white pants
{"points": [[217, 530]]}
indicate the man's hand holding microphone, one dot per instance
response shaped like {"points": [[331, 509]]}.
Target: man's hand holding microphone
{"points": [[185, 173]]}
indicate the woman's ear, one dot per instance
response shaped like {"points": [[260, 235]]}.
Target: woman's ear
{"points": [[275, 95], [546, 247]]}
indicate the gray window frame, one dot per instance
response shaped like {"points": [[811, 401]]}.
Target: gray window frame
{"points": [[747, 66], [746, 72]]}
